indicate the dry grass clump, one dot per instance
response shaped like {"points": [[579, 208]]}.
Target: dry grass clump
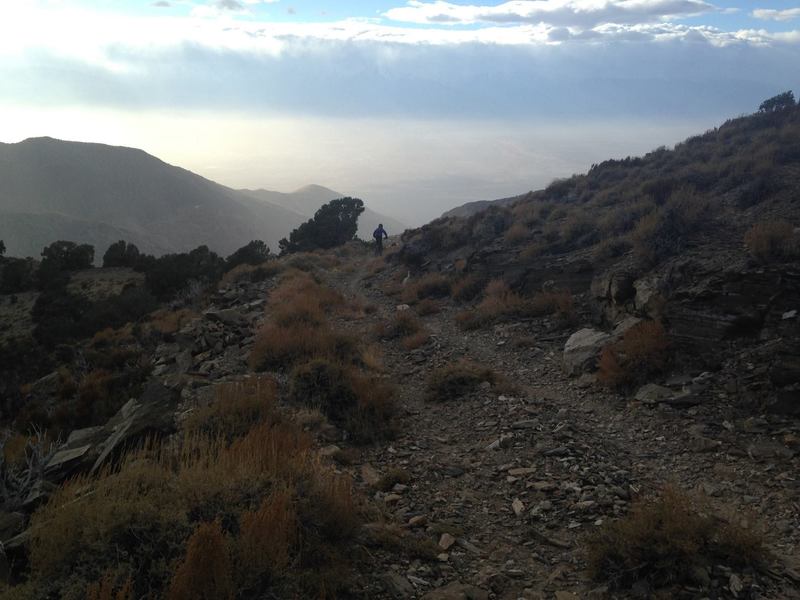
{"points": [[407, 327], [667, 540], [501, 302], [391, 478], [534, 250], [664, 232], [772, 241], [205, 518], [237, 407], [427, 307], [467, 288], [278, 347], [309, 261], [417, 340], [248, 272], [641, 353], [516, 233], [401, 324], [109, 337], [206, 572], [361, 404], [431, 285], [108, 588], [459, 379], [167, 322]]}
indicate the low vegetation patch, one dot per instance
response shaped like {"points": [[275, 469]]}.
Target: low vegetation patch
{"points": [[206, 517], [361, 404], [431, 285], [467, 288], [671, 539], [641, 353], [427, 307], [281, 347], [772, 241], [665, 231], [237, 407], [461, 379], [500, 302]]}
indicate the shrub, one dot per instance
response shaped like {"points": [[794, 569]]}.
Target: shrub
{"points": [[467, 288], [641, 353], [516, 233], [326, 386], [432, 285], [501, 302], [771, 241], [167, 322], [267, 539], [63, 256], [412, 342], [427, 307], [459, 379], [391, 478], [266, 489], [172, 273], [665, 540], [253, 253], [253, 273], [333, 224], [121, 254], [360, 404], [277, 347], [664, 232], [206, 572], [107, 589], [237, 407], [401, 324]]}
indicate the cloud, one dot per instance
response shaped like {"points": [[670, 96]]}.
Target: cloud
{"points": [[768, 14], [562, 13], [161, 4], [228, 5]]}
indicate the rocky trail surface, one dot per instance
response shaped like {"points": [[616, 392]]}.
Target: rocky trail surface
{"points": [[493, 493], [507, 486]]}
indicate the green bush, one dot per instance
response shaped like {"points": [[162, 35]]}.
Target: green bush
{"points": [[333, 225]]}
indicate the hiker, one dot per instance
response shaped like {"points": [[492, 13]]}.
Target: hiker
{"points": [[379, 234]]}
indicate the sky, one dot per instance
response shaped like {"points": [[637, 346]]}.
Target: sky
{"points": [[415, 106]]}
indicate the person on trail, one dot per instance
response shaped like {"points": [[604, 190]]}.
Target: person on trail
{"points": [[379, 234]]}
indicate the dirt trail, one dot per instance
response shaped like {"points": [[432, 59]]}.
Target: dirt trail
{"points": [[517, 481]]}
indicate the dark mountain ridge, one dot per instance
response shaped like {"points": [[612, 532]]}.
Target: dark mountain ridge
{"points": [[96, 193]]}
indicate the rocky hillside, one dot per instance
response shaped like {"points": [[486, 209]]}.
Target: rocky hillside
{"points": [[702, 238]]}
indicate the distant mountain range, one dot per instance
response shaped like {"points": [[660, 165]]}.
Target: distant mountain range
{"points": [[98, 194], [308, 199]]}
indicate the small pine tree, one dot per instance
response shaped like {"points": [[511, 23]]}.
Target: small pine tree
{"points": [[121, 254], [333, 225]]}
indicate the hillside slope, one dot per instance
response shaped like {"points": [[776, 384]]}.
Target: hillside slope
{"points": [[49, 186]]}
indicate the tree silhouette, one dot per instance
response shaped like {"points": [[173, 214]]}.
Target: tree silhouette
{"points": [[333, 224], [121, 254], [252, 254], [779, 102]]}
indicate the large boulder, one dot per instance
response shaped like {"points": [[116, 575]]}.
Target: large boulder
{"points": [[582, 349], [152, 414]]}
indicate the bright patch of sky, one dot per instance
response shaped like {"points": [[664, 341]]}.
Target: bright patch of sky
{"points": [[439, 102]]}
